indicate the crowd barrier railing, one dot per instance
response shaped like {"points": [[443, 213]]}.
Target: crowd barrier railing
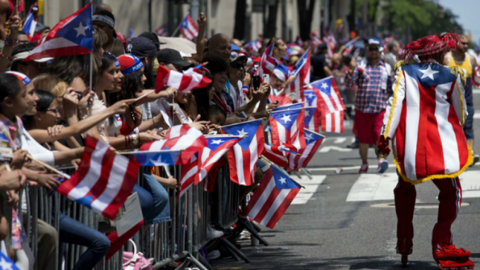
{"points": [[167, 243]]}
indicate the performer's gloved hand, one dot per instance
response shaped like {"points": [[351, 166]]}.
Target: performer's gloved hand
{"points": [[383, 148]]}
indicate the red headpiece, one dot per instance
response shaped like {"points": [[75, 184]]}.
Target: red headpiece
{"points": [[427, 47]]}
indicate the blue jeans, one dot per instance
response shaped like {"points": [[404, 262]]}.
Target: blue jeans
{"points": [[77, 233], [160, 210], [146, 200]]}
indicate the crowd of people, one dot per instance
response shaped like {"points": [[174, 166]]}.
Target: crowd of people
{"points": [[49, 105]]}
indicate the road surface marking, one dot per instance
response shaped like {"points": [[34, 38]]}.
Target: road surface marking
{"points": [[310, 188], [373, 187], [326, 149], [470, 184], [340, 140]]}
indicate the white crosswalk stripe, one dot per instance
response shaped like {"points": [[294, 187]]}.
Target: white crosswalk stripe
{"points": [[310, 188]]}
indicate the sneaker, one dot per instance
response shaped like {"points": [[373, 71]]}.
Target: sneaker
{"points": [[214, 254], [212, 233], [476, 158], [353, 145], [382, 166], [364, 168]]}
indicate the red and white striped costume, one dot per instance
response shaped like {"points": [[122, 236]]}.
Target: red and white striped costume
{"points": [[424, 119]]}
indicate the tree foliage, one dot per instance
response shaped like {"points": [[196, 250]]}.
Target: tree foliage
{"points": [[424, 17]]}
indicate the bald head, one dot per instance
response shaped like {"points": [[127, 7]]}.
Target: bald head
{"points": [[103, 7], [219, 45]]}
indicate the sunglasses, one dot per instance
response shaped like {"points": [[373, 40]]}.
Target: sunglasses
{"points": [[464, 43], [373, 49]]}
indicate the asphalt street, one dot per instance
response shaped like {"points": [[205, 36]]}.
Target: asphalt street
{"points": [[347, 221]]}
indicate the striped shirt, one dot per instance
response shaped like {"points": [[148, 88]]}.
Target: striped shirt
{"points": [[370, 97]]}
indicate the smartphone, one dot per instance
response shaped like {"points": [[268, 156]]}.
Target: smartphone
{"points": [[243, 115], [256, 82], [266, 78]]}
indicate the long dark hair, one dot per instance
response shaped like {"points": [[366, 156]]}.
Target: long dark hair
{"points": [[201, 98], [45, 98], [130, 85]]}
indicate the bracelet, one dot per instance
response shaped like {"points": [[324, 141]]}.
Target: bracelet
{"points": [[135, 139], [153, 120], [7, 57]]}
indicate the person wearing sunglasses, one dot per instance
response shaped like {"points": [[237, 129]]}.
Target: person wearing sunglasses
{"points": [[462, 59], [374, 80]]}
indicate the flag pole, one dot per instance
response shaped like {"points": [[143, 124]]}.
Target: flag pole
{"points": [[91, 61], [178, 27]]}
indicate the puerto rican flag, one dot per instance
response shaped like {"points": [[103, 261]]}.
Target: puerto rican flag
{"points": [[287, 127], [186, 139], [254, 45], [282, 100], [299, 41], [332, 122], [302, 80], [476, 76], [267, 62], [424, 119], [179, 81], [313, 140], [157, 158], [311, 122], [272, 198], [330, 97], [315, 40], [292, 106], [218, 145], [31, 21], [189, 28], [71, 36], [312, 100], [244, 155], [349, 46], [279, 154], [162, 31], [103, 180]]}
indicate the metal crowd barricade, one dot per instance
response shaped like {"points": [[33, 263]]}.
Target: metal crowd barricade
{"points": [[167, 243]]}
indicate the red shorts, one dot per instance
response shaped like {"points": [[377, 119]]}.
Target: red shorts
{"points": [[368, 126]]}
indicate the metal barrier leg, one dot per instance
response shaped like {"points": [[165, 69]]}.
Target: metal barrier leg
{"points": [[247, 225], [205, 263], [235, 250]]}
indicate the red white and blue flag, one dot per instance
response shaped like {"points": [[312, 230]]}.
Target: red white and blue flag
{"points": [[330, 97], [349, 46], [244, 155], [157, 158], [302, 79], [292, 106], [254, 45], [299, 41], [332, 122], [272, 198], [279, 154], [189, 28], [313, 140], [312, 100], [267, 62], [31, 21], [181, 82], [218, 145], [311, 122], [183, 138], [6, 263], [71, 36], [315, 41], [287, 127], [103, 180], [162, 31]]}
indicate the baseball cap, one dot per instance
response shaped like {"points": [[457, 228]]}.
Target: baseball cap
{"points": [[141, 47], [106, 17], [153, 37], [129, 63], [238, 57], [374, 41], [171, 56], [322, 46], [234, 47]]}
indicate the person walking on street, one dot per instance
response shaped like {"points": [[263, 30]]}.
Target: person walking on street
{"points": [[374, 85], [424, 120], [462, 59]]}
